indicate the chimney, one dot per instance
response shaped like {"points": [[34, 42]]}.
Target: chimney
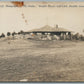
{"points": [[56, 26]]}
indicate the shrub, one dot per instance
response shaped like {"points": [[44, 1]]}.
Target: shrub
{"points": [[8, 33], [2, 35]]}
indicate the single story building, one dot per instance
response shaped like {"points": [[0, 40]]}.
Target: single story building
{"points": [[50, 30]]}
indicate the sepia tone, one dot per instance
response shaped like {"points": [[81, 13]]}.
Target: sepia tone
{"points": [[41, 41]]}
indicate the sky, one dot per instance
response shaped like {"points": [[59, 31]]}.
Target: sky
{"points": [[71, 18]]}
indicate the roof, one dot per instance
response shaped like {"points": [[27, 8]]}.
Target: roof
{"points": [[48, 28]]}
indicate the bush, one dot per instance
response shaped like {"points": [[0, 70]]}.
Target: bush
{"points": [[21, 32], [8, 33], [2, 35], [13, 33], [77, 36]]}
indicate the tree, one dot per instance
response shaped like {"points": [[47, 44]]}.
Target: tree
{"points": [[77, 36], [2, 35], [21, 32], [13, 33], [8, 33]]}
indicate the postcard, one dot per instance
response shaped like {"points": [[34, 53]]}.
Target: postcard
{"points": [[41, 41]]}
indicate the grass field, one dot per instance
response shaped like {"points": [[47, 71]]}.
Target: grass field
{"points": [[48, 61]]}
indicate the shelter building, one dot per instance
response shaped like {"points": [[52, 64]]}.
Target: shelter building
{"points": [[50, 30]]}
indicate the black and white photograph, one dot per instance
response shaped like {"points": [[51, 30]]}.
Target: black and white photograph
{"points": [[41, 41]]}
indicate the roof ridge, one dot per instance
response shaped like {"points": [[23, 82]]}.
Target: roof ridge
{"points": [[50, 28]]}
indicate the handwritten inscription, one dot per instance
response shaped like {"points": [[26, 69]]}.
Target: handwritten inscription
{"points": [[44, 6]]}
